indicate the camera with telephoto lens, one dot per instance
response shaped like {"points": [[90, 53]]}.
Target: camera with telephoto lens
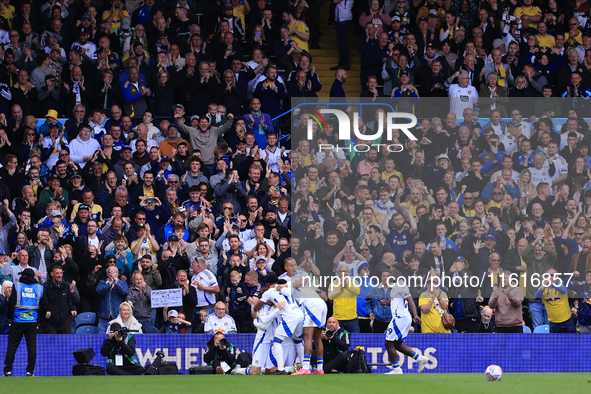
{"points": [[329, 333], [122, 333], [224, 342]]}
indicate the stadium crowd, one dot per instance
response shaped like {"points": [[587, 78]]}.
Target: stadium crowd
{"points": [[168, 174]]}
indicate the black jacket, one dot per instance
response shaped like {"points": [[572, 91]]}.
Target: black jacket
{"points": [[214, 353], [339, 343], [60, 302], [468, 296]]}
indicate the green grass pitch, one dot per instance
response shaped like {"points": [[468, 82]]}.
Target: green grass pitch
{"points": [[349, 384]]}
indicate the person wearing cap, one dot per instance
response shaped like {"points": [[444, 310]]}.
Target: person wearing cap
{"points": [[119, 348], [87, 48], [168, 147], [27, 306], [54, 192], [53, 143]]}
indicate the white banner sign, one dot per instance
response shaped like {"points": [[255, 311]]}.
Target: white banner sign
{"points": [[170, 297]]}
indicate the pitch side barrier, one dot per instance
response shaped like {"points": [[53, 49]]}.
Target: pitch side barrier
{"points": [[447, 353]]}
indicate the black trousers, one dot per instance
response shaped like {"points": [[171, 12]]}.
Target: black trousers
{"points": [[338, 363], [379, 327], [125, 370], [17, 330], [510, 330], [64, 328], [466, 326]]}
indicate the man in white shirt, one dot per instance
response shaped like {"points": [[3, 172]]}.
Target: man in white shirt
{"points": [[220, 321], [462, 94], [509, 140], [560, 163], [205, 283]]}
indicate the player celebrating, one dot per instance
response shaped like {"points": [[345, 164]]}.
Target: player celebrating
{"points": [[315, 311], [400, 302], [264, 322], [292, 319]]}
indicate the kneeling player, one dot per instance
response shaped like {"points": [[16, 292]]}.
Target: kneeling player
{"points": [[400, 301]]}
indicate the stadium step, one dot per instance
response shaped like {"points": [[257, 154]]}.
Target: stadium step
{"points": [[328, 56]]}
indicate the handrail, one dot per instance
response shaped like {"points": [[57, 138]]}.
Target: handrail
{"points": [[335, 104]]}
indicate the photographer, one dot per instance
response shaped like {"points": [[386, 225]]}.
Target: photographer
{"points": [[220, 354], [336, 341], [119, 348]]}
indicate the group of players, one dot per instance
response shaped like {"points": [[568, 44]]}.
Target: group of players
{"points": [[291, 315]]}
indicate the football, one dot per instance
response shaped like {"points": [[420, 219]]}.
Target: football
{"points": [[493, 373]]}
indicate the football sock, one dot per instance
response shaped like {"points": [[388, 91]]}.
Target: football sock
{"points": [[278, 354], [306, 362], [320, 363], [396, 364], [300, 350], [415, 355]]}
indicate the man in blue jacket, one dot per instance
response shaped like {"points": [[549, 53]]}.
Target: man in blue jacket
{"points": [[381, 315]]}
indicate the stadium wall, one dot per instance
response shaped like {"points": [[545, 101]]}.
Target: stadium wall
{"points": [[469, 353]]}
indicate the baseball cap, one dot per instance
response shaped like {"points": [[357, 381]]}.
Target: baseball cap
{"points": [[100, 50], [83, 206], [181, 143], [588, 193], [514, 124], [404, 72], [55, 212], [497, 43], [228, 6], [241, 141], [125, 24], [26, 44], [165, 158], [172, 125], [2, 252], [76, 174], [586, 33], [173, 313], [125, 147], [86, 17], [261, 258], [115, 327], [83, 31], [395, 19], [173, 238], [489, 236], [432, 16], [27, 272], [412, 176], [423, 19], [53, 177], [461, 258], [442, 156], [53, 124], [179, 106], [194, 117]]}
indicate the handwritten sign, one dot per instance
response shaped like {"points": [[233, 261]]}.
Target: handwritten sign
{"points": [[170, 297]]}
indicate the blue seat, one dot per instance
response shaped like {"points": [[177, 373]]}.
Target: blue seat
{"points": [[85, 330], [526, 330], [543, 329], [85, 319], [149, 330]]}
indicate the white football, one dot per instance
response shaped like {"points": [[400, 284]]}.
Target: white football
{"points": [[493, 373]]}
